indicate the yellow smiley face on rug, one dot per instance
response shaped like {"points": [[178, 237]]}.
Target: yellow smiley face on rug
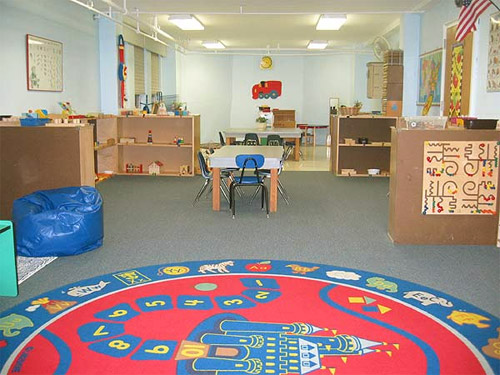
{"points": [[176, 270]]}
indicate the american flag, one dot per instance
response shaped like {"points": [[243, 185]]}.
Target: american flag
{"points": [[469, 13]]}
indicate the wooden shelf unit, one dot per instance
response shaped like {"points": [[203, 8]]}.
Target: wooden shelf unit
{"points": [[358, 156], [43, 157], [114, 157], [164, 129], [407, 224], [105, 154], [392, 91], [284, 118]]}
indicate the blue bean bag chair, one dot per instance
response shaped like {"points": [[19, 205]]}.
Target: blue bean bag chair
{"points": [[59, 222]]}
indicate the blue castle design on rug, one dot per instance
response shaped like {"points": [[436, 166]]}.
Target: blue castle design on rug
{"points": [[244, 347]]}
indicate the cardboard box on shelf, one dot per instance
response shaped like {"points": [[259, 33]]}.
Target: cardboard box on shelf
{"points": [[394, 91], [394, 108], [395, 74], [126, 140]]}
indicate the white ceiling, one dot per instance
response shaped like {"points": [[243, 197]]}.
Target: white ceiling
{"points": [[283, 24]]}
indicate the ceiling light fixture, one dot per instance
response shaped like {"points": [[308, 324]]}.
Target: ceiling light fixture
{"points": [[317, 44], [331, 21], [186, 22], [213, 44]]}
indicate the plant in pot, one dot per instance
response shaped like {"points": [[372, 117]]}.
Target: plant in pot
{"points": [[357, 107], [261, 122]]}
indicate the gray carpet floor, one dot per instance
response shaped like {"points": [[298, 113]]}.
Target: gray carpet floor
{"points": [[331, 220]]}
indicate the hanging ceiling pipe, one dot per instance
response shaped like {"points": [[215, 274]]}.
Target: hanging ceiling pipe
{"points": [[102, 14], [111, 4], [257, 53], [157, 29], [282, 13]]}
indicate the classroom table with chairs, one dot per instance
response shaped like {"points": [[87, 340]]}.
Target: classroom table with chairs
{"points": [[225, 157], [290, 134]]}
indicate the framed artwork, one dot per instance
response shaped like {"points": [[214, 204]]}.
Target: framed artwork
{"points": [[44, 64], [493, 81], [430, 78], [457, 66]]}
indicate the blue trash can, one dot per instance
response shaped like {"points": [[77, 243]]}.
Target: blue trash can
{"points": [[58, 222]]}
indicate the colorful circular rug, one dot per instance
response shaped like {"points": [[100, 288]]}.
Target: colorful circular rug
{"points": [[243, 317]]}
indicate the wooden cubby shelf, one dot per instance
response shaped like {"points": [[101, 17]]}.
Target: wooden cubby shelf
{"points": [[102, 147], [155, 145], [349, 156], [164, 130], [367, 145], [147, 174]]}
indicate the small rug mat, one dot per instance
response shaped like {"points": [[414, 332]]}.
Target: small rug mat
{"points": [[28, 266], [241, 317]]}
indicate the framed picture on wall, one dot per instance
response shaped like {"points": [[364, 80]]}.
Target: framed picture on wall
{"points": [[44, 64], [493, 83], [430, 78]]}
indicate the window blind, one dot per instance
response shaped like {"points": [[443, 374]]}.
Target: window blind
{"points": [[139, 71], [155, 73]]}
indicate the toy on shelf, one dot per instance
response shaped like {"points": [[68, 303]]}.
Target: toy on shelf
{"points": [[38, 117], [67, 110], [178, 140], [145, 109], [183, 170], [127, 140], [162, 109], [180, 109], [150, 137], [154, 168], [133, 168]]}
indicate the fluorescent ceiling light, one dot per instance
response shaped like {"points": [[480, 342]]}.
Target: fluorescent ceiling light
{"points": [[317, 44], [331, 21], [186, 22], [213, 44]]}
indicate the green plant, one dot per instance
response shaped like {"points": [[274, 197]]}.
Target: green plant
{"points": [[358, 104], [261, 119], [178, 105]]}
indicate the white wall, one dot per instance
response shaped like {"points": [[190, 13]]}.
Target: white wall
{"points": [[246, 73], [205, 83], [168, 73], [219, 87], [52, 19], [108, 63], [410, 44]]}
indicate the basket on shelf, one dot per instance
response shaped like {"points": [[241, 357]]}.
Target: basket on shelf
{"points": [[349, 111]]}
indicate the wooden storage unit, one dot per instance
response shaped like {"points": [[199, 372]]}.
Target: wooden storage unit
{"points": [[163, 149], [105, 150], [359, 157], [43, 157], [375, 80], [407, 224], [392, 93], [284, 118]]}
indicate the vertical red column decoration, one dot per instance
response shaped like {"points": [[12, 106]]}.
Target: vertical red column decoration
{"points": [[122, 70]]}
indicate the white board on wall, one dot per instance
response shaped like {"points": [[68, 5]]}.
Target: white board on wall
{"points": [[44, 64]]}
